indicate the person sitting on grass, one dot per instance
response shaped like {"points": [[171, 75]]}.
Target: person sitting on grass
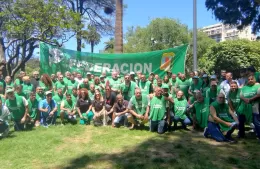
{"points": [[180, 108], [33, 110], [120, 111], [221, 122], [137, 108], [84, 107], [18, 107], [48, 109], [98, 108], [68, 110], [4, 126], [110, 99], [157, 108]]}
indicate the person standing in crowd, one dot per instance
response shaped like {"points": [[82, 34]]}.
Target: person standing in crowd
{"points": [[98, 108], [223, 76], [110, 99], [201, 112], [114, 83], [132, 77], [34, 113], [60, 84], [67, 77], [4, 126], [145, 85], [48, 110], [19, 79], [183, 84], [180, 104], [205, 84], [249, 106], [19, 91], [191, 75], [90, 80], [234, 97], [59, 97], [173, 81], [46, 83], [74, 95], [53, 79], [71, 83], [243, 77], [18, 107], [252, 71], [84, 107], [157, 109], [35, 80], [213, 91], [84, 84], [137, 108], [195, 86], [91, 91], [127, 89], [8, 82], [99, 85], [79, 78], [225, 85], [27, 86], [39, 94], [222, 121], [166, 80], [68, 110]]}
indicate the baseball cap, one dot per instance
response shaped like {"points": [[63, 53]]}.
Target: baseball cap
{"points": [[132, 73], [205, 76], [9, 91], [48, 92], [195, 77], [88, 73], [213, 77]]}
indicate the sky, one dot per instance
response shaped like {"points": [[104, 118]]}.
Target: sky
{"points": [[141, 12]]}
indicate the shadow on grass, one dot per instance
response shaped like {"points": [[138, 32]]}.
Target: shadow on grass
{"points": [[174, 150]]}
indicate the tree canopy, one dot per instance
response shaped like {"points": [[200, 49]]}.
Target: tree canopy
{"points": [[236, 12], [231, 55]]}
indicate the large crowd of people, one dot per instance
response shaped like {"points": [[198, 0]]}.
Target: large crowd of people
{"points": [[215, 105]]}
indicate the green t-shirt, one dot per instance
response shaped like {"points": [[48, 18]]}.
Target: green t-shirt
{"points": [[66, 80], [83, 85], [180, 107], [40, 97], [139, 105], [157, 108], [16, 107], [115, 84], [183, 85], [128, 91], [33, 108], [27, 88], [194, 87], [58, 99], [21, 94], [71, 85], [62, 85], [10, 85], [234, 97], [145, 87], [222, 111], [202, 112], [212, 94], [70, 106], [91, 95], [74, 98], [18, 82], [44, 87]]}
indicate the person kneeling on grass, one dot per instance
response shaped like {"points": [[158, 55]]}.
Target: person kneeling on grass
{"points": [[4, 126], [18, 106], [48, 109], [180, 109], [120, 111], [220, 121], [33, 110], [137, 108], [157, 107], [98, 108], [68, 110]]}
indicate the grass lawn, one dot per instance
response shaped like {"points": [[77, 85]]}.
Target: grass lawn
{"points": [[65, 147]]}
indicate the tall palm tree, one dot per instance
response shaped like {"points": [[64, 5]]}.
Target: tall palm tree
{"points": [[109, 46], [119, 27], [92, 37]]}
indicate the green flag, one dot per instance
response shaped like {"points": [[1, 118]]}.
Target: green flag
{"points": [[54, 59]]}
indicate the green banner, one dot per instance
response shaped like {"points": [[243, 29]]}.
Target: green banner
{"points": [[54, 59]]}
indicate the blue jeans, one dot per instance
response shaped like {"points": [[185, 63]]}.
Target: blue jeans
{"points": [[256, 121], [214, 131], [46, 119], [159, 126], [120, 119], [183, 122]]}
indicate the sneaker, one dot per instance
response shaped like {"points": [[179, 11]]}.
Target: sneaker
{"points": [[205, 133]]}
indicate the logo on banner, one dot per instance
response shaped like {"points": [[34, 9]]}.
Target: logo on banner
{"points": [[166, 61]]}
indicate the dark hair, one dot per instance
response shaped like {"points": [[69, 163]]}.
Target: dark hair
{"points": [[32, 93], [67, 94], [47, 80], [86, 93], [233, 82]]}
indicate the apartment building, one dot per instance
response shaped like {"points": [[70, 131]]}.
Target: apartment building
{"points": [[221, 32]]}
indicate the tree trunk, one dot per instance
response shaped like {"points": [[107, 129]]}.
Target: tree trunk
{"points": [[92, 47], [119, 27], [2, 51], [79, 41]]}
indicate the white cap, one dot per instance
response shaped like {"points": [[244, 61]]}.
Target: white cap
{"points": [[48, 92], [88, 73], [132, 73]]}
